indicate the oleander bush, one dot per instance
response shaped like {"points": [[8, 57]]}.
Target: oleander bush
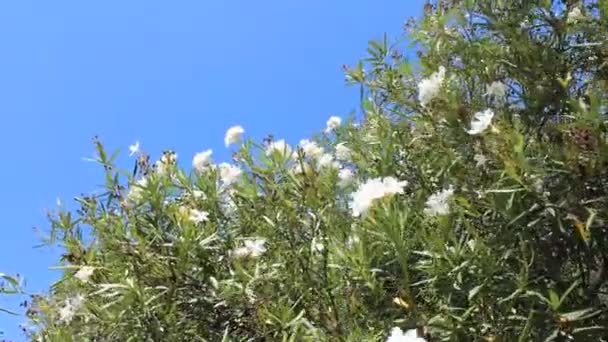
{"points": [[465, 201]]}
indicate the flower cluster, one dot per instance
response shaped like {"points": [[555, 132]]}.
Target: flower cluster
{"points": [[251, 248], [70, 307], [430, 88], [84, 273], [372, 190], [481, 121], [439, 203]]}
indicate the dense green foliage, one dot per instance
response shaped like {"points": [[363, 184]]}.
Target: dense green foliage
{"points": [[499, 234]]}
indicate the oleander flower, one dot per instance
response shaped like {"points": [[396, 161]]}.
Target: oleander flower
{"points": [[429, 88], [333, 123], [372, 190], [198, 216], [397, 335], [327, 161], [438, 203], [343, 152], [279, 147], [252, 248], [202, 161], [70, 307], [481, 121], [229, 173], [233, 135], [311, 149], [84, 273], [345, 177], [134, 149]]}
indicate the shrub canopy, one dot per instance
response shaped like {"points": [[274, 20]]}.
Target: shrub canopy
{"points": [[468, 201]]}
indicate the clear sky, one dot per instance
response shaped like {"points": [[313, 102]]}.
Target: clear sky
{"points": [[172, 74]]}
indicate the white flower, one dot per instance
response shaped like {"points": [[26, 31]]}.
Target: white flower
{"points": [[166, 162], [481, 121], [318, 247], [342, 152], [327, 161], [346, 177], [393, 186], [438, 203], [397, 335], [134, 149], [199, 194], [301, 168], [198, 216], [429, 88], [575, 15], [229, 173], [253, 248], [480, 159], [202, 161], [66, 313], [256, 247], [333, 123], [496, 89], [240, 252], [233, 135], [71, 305], [279, 147], [311, 149], [136, 189], [169, 158], [84, 273], [374, 189], [162, 168], [472, 244]]}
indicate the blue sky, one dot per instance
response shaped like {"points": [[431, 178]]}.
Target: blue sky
{"points": [[170, 74]]}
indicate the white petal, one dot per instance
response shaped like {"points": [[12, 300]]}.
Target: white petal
{"points": [[233, 135], [333, 123], [202, 161]]}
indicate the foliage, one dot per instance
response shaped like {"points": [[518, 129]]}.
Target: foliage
{"points": [[499, 130], [9, 285]]}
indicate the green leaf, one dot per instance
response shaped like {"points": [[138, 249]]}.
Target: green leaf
{"points": [[580, 315], [567, 292], [8, 311], [525, 334], [474, 291], [405, 68], [586, 329], [114, 155], [553, 335], [505, 190], [539, 296], [12, 280], [554, 299]]}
